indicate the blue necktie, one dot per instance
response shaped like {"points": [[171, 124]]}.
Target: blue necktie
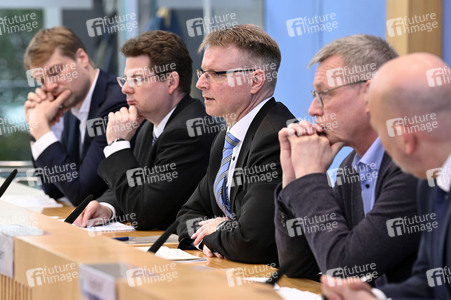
{"points": [[154, 140], [220, 186]]}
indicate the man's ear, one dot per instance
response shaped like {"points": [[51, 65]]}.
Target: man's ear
{"points": [[365, 89], [258, 79], [173, 80], [409, 141], [82, 56]]}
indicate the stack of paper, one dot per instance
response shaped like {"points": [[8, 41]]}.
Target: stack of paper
{"points": [[174, 254], [31, 200], [110, 227]]}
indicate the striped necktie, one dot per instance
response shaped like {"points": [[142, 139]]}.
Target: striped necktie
{"points": [[220, 186]]}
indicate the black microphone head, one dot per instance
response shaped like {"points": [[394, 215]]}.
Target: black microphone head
{"points": [[282, 270], [7, 182], [77, 211], [163, 238]]}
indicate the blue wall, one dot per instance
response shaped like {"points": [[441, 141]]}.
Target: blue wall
{"points": [[294, 79]]}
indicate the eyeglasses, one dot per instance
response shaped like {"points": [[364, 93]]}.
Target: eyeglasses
{"points": [[216, 75], [133, 81], [319, 99]]}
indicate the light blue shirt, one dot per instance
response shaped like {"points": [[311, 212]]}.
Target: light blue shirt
{"points": [[368, 167]]}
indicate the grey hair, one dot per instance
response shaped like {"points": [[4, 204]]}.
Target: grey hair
{"points": [[357, 50]]}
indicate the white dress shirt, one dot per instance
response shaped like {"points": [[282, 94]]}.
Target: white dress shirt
{"points": [[117, 146], [239, 130]]}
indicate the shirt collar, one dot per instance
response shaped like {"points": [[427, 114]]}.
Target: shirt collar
{"points": [[372, 157], [83, 112], [158, 130], [240, 128], [444, 178]]}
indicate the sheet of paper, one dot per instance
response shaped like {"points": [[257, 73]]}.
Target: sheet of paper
{"points": [[285, 292], [30, 200], [174, 254], [110, 227], [260, 279], [291, 294]]}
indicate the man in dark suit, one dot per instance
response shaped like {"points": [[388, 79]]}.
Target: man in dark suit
{"points": [[151, 183], [72, 86], [229, 213], [343, 228], [409, 102]]}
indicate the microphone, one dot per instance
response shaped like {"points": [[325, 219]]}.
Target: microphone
{"points": [[279, 273], [7, 182], [77, 211], [163, 238]]}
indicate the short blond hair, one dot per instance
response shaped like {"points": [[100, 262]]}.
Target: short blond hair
{"points": [[258, 46], [46, 41]]}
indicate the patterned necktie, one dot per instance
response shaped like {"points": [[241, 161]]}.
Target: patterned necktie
{"points": [[154, 140], [220, 186]]}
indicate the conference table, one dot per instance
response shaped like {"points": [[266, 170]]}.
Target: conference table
{"points": [[57, 260]]}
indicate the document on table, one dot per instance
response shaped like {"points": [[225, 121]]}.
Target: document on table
{"points": [[286, 292], [110, 227], [174, 254], [31, 200]]}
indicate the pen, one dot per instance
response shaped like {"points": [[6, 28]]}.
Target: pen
{"points": [[145, 239]]}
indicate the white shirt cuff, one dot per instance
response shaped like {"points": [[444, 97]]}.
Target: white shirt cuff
{"points": [[198, 245], [43, 143], [111, 207], [117, 146], [379, 294]]}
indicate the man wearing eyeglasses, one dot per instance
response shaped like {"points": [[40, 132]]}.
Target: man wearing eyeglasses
{"points": [[231, 211], [69, 85], [354, 228], [150, 184]]}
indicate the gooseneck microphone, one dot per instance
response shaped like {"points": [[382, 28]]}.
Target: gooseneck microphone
{"points": [[7, 182], [279, 273], [77, 211], [163, 238]]}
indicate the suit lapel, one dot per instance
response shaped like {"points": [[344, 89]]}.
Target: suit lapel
{"points": [[381, 174], [357, 213], [147, 137], [187, 100], [447, 246], [245, 147], [444, 231], [98, 97]]}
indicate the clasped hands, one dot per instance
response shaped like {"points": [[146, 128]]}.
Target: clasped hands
{"points": [[305, 149], [43, 109]]}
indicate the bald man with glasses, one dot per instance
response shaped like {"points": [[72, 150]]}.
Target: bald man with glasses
{"points": [[349, 228]]}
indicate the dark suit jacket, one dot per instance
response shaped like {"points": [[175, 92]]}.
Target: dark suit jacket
{"points": [[250, 236], [355, 239], [107, 97], [423, 284], [156, 204]]}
